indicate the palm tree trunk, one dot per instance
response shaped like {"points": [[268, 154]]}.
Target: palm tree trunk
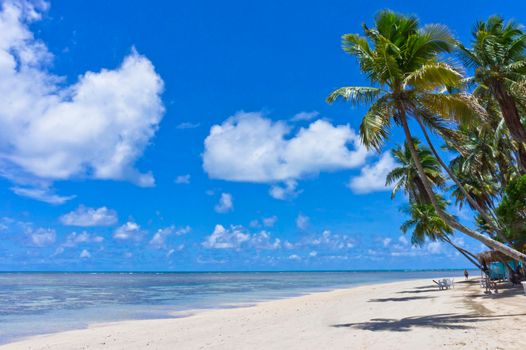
{"points": [[504, 249], [467, 255], [453, 177], [511, 117]]}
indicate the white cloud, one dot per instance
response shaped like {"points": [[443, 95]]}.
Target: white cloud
{"points": [[313, 254], [89, 217], [96, 128], [328, 240], [263, 240], [302, 221], [183, 179], [267, 222], [85, 254], [41, 237], [372, 177], [403, 240], [129, 231], [288, 245], [434, 247], [236, 236], [386, 242], [294, 257], [249, 147], [270, 221], [284, 191], [226, 203], [187, 125], [305, 116], [159, 238], [223, 238], [42, 194], [74, 239]]}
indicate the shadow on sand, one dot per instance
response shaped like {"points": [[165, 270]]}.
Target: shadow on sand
{"points": [[417, 291], [438, 321], [383, 300]]}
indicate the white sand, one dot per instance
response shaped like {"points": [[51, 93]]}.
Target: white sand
{"points": [[401, 315]]}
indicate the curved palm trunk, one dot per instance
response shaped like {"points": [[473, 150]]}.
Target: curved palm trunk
{"points": [[504, 249], [453, 177], [512, 119], [472, 258]]}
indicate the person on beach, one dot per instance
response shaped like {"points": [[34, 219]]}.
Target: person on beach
{"points": [[466, 274]]}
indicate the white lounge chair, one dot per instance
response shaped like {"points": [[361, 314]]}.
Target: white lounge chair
{"points": [[444, 283]]}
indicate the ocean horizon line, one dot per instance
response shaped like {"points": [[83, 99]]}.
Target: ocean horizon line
{"points": [[233, 271]]}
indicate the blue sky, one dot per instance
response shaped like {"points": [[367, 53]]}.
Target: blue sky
{"points": [[194, 136]]}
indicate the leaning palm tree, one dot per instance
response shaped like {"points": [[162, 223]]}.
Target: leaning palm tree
{"points": [[499, 61], [402, 61], [405, 175], [427, 226], [424, 222]]}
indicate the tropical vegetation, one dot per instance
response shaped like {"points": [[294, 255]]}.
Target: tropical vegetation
{"points": [[474, 112]]}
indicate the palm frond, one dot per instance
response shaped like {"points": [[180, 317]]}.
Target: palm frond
{"points": [[432, 76], [355, 94], [460, 107], [375, 126]]}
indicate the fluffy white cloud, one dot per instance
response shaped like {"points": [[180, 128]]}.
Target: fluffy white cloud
{"points": [[252, 148], [88, 217], [85, 254], [284, 191], [301, 116], [223, 238], [263, 240], [41, 237], [328, 240], [95, 128], [270, 221], [183, 179], [302, 221], [403, 240], [235, 236], [372, 177], [159, 238], [267, 222], [226, 203], [74, 239], [129, 231], [434, 247], [294, 257]]}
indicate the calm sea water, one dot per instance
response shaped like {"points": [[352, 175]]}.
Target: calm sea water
{"points": [[38, 303]]}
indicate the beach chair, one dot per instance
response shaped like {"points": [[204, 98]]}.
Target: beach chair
{"points": [[443, 284]]}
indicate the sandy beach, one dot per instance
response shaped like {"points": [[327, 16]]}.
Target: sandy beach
{"points": [[400, 315]]}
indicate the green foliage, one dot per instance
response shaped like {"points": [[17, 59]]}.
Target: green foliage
{"points": [[479, 118], [512, 211], [406, 176], [424, 223], [402, 60]]}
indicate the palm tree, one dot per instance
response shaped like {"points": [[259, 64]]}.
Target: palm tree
{"points": [[426, 225], [424, 222], [405, 176], [402, 62], [499, 61]]}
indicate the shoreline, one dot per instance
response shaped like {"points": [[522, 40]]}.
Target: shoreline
{"points": [[395, 315], [58, 318]]}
